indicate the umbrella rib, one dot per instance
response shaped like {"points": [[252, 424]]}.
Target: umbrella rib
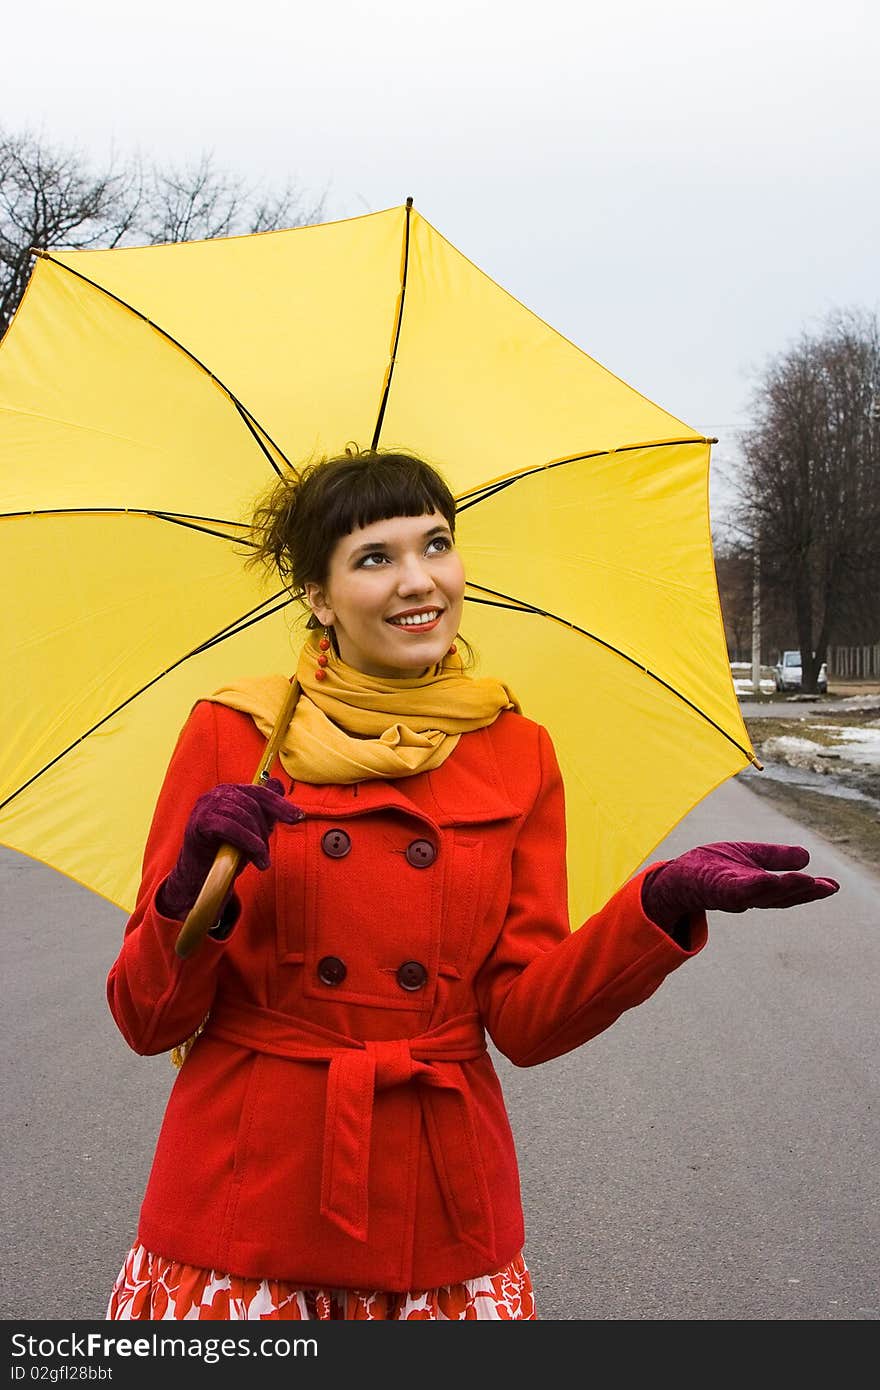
{"points": [[191, 524], [401, 297], [179, 519], [520, 606], [253, 427], [480, 494], [252, 423], [233, 629], [240, 624]]}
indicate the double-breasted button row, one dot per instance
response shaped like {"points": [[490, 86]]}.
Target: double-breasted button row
{"points": [[336, 843], [411, 975]]}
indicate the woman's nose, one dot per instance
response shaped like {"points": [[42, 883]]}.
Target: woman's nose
{"points": [[414, 576]]}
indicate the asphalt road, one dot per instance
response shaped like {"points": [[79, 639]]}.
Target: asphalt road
{"points": [[712, 1156]]}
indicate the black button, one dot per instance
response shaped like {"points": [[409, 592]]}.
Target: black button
{"points": [[412, 975], [421, 854], [331, 970], [336, 843]]}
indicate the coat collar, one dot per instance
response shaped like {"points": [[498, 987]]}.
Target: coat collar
{"points": [[467, 789]]}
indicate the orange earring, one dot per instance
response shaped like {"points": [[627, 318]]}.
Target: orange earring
{"points": [[324, 647]]}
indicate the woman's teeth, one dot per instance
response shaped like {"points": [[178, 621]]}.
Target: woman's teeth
{"points": [[416, 619]]}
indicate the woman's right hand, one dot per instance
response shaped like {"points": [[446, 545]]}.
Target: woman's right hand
{"points": [[234, 813]]}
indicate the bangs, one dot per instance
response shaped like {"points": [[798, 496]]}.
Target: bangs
{"points": [[390, 485], [298, 521]]}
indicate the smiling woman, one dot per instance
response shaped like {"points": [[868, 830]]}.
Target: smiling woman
{"points": [[349, 1150]]}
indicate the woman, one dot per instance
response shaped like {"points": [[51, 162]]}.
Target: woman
{"points": [[336, 1143]]}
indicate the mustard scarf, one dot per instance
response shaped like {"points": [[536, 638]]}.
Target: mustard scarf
{"points": [[349, 727]]}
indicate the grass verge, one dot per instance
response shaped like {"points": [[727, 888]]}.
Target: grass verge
{"points": [[851, 825]]}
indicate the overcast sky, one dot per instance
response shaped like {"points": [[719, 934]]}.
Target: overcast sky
{"points": [[681, 188]]}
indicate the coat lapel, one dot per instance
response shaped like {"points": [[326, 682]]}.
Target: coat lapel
{"points": [[466, 789]]}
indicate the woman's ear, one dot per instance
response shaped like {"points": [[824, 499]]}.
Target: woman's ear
{"points": [[317, 601]]}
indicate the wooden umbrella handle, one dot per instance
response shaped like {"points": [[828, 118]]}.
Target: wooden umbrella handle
{"points": [[206, 909]]}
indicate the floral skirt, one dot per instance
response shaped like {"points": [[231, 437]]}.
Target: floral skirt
{"points": [[150, 1287]]}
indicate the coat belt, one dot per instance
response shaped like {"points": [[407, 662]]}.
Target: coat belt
{"points": [[357, 1070]]}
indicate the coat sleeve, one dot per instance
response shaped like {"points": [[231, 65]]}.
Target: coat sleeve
{"points": [[545, 989], [156, 998]]}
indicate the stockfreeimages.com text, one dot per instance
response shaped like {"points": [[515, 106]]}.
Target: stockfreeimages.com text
{"points": [[210, 1349]]}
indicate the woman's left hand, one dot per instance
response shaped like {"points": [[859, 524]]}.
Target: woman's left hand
{"points": [[731, 876]]}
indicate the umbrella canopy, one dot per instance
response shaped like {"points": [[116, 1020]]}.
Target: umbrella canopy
{"points": [[148, 394]]}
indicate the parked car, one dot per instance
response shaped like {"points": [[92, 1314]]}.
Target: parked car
{"points": [[788, 675]]}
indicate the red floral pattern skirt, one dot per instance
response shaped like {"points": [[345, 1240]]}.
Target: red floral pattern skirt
{"points": [[150, 1287]]}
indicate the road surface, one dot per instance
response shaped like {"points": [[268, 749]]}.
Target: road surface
{"points": [[711, 1156]]}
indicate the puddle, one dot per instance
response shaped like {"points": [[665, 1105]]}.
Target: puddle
{"points": [[811, 781]]}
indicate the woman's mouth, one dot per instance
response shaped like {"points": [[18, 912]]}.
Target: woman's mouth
{"points": [[424, 620]]}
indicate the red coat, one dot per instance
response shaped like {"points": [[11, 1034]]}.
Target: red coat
{"points": [[340, 1122]]}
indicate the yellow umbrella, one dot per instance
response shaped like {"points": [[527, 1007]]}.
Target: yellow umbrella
{"points": [[146, 396]]}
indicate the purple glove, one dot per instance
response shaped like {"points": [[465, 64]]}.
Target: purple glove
{"points": [[730, 877], [233, 813]]}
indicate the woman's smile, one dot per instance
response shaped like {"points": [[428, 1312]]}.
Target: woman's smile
{"points": [[415, 619]]}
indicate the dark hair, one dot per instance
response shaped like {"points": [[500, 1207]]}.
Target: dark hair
{"points": [[297, 522]]}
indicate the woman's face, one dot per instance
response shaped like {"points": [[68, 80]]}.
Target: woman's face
{"points": [[393, 595]]}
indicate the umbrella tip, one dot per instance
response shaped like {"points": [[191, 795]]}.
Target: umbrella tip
{"points": [[409, 202]]}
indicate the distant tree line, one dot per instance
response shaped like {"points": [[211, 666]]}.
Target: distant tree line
{"points": [[808, 499], [55, 196]]}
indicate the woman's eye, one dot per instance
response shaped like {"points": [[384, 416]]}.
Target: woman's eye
{"points": [[373, 555], [443, 542]]}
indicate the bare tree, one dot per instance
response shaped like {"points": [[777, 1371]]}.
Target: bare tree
{"points": [[54, 197], [735, 570], [200, 201], [810, 496]]}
